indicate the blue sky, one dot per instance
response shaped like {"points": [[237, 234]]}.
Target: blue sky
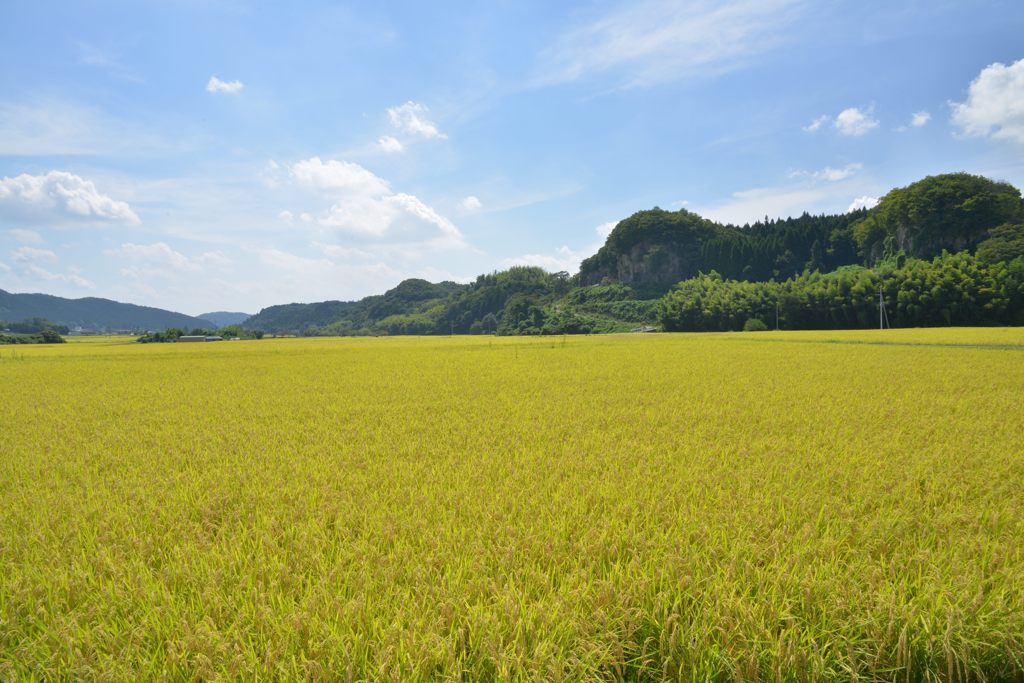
{"points": [[206, 155]]}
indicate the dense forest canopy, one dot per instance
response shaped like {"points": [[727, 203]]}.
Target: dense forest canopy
{"points": [[950, 212], [951, 289], [655, 249]]}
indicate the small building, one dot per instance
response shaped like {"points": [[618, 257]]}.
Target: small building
{"points": [[192, 338], [645, 328]]}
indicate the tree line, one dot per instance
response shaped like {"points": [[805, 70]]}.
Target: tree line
{"points": [[951, 289], [32, 331], [173, 334]]}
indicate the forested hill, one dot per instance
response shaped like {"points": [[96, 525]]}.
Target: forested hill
{"points": [[655, 249], [400, 310], [91, 313]]}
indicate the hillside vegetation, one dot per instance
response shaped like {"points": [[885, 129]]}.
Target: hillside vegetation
{"points": [[680, 271]]}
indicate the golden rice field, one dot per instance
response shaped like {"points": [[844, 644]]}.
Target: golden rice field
{"points": [[759, 506]]}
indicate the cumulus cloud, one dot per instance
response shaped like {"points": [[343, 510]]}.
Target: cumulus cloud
{"points": [[995, 104], [60, 195], [33, 255], [471, 203], [338, 176], [920, 118], [413, 206], [864, 202], [646, 42], [390, 145], [854, 122], [364, 204], [215, 85], [410, 118], [23, 236]]}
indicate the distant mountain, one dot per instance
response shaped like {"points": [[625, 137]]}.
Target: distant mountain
{"points": [[404, 306], [225, 318], [93, 314]]}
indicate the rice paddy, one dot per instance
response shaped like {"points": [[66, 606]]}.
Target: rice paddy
{"points": [[749, 506]]}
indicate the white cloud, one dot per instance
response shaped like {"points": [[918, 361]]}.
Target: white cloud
{"points": [[605, 229], [369, 216], [308, 278], [286, 216], [564, 259], [390, 145], [646, 42], [864, 202], [338, 176], [815, 125], [33, 255], [471, 203], [158, 252], [26, 236], [71, 278], [215, 85], [995, 104], [748, 206], [336, 251], [920, 118], [836, 174], [410, 118], [159, 259], [854, 122], [413, 206], [4, 268], [363, 204], [829, 174], [825, 191], [61, 194]]}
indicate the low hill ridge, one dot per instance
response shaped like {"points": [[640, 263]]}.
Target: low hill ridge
{"points": [[92, 313]]}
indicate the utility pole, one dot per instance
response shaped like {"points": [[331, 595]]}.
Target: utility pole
{"points": [[776, 316], [883, 316]]}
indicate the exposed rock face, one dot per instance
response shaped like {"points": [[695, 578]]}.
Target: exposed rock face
{"points": [[650, 248], [644, 264]]}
